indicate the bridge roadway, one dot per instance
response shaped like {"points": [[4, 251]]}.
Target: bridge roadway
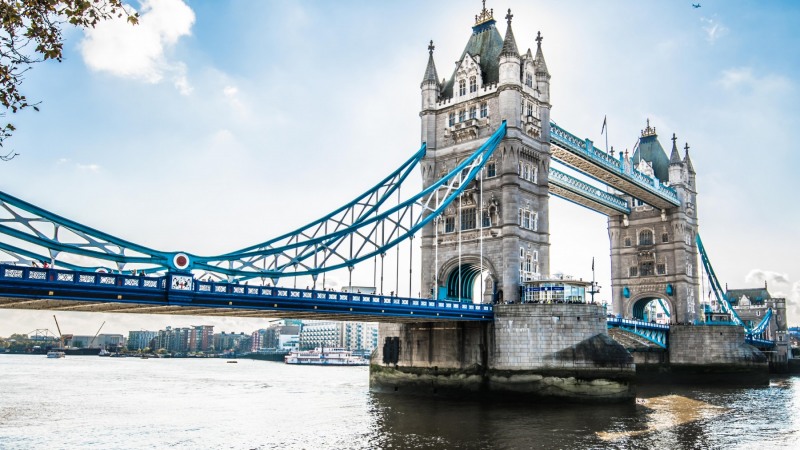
{"points": [[180, 294]]}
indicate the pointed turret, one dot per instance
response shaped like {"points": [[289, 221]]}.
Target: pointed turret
{"points": [[675, 164], [510, 82], [431, 76], [542, 74], [688, 161], [541, 66], [509, 43], [674, 157]]}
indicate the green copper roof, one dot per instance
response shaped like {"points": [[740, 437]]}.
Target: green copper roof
{"points": [[650, 150], [756, 296], [487, 43]]}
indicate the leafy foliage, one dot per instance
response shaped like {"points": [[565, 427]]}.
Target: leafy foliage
{"points": [[32, 32]]}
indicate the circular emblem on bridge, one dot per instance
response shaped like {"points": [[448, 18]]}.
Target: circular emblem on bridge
{"points": [[180, 261]]}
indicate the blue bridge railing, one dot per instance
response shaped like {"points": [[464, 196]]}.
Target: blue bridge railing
{"points": [[588, 191], [585, 149], [181, 289]]}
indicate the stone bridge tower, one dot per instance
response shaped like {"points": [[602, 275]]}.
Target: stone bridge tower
{"points": [[653, 252], [499, 227]]}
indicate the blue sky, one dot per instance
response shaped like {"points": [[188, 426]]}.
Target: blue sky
{"points": [[215, 125]]}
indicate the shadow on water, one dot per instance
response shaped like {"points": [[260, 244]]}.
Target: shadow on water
{"points": [[661, 417]]}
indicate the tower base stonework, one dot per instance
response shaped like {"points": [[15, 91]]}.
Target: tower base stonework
{"points": [[707, 354], [530, 351]]}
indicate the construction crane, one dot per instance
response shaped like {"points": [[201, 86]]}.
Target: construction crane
{"points": [[60, 337], [95, 335]]}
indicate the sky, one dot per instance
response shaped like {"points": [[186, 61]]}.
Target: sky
{"points": [[212, 126]]}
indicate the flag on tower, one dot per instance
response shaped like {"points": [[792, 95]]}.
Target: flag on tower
{"points": [[602, 130]]}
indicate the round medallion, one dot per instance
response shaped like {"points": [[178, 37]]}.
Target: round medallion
{"points": [[180, 261]]}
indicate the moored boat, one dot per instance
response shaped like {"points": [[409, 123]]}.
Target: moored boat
{"points": [[55, 354], [325, 356]]}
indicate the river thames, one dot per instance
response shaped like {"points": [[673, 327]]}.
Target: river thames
{"points": [[124, 403]]}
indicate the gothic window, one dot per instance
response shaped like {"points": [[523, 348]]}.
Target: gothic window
{"points": [[627, 242], [472, 112], [646, 237], [462, 115], [661, 269], [473, 84], [452, 119], [535, 175], [526, 171], [646, 269], [449, 224], [491, 170], [464, 173], [468, 219], [664, 237], [633, 271], [528, 220], [487, 219], [484, 110], [528, 263], [520, 169], [462, 87], [529, 108], [528, 79]]}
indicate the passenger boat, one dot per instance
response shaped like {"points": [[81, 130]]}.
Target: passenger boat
{"points": [[323, 356], [55, 354]]}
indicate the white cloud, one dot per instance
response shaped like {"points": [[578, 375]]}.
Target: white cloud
{"points": [[744, 78], [714, 30], [758, 276], [138, 51], [88, 167]]}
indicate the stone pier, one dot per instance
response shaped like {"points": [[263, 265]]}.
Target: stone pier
{"points": [[530, 351]]}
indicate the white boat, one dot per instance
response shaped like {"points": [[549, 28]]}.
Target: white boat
{"points": [[326, 357], [55, 354], [104, 352]]}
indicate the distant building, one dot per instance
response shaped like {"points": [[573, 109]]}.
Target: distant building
{"points": [[107, 341], [138, 340], [751, 305], [283, 335], [356, 336], [201, 338], [224, 342], [174, 340]]}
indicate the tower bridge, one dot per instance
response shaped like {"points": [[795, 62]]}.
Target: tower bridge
{"points": [[491, 158]]}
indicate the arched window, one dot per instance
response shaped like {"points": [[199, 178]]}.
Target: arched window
{"points": [[452, 119], [528, 79], [646, 237], [473, 84], [484, 110], [462, 87], [530, 108], [462, 115], [472, 112]]}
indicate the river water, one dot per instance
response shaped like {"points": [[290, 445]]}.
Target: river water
{"points": [[123, 403]]}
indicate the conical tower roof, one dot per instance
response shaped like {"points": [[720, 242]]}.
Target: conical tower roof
{"points": [[688, 161], [484, 43], [538, 62], [430, 70], [674, 157], [509, 43], [650, 150]]}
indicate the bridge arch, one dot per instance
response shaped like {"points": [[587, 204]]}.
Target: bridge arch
{"points": [[643, 305], [460, 278]]}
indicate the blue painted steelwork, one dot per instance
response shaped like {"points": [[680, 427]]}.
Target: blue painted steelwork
{"points": [[34, 234], [750, 333], [653, 332], [358, 240], [586, 190], [585, 149], [180, 289]]}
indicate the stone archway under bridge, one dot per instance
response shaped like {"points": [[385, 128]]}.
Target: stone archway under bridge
{"points": [[466, 279], [651, 307]]}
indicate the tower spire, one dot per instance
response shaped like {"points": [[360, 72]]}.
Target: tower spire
{"points": [[674, 157], [430, 71], [509, 43], [687, 160], [538, 61]]}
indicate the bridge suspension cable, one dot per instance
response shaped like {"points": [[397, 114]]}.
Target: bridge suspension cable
{"points": [[719, 294], [364, 228]]}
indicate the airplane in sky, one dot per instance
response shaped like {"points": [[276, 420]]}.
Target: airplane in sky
{"points": [[695, 5]]}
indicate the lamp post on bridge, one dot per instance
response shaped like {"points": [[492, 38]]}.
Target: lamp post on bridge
{"points": [[595, 288]]}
